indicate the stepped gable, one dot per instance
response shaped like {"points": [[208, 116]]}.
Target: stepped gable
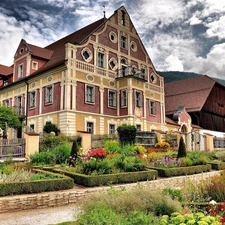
{"points": [[191, 93]]}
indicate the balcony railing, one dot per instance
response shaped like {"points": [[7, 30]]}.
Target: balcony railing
{"points": [[131, 72], [19, 110]]}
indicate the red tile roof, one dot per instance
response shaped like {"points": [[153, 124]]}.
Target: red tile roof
{"points": [[78, 37], [5, 70], [190, 93], [40, 52]]}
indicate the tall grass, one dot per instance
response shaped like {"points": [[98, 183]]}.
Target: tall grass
{"points": [[137, 206]]}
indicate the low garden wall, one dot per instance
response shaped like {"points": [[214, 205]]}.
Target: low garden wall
{"points": [[73, 196]]}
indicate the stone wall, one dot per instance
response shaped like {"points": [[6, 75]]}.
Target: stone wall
{"points": [[59, 198]]}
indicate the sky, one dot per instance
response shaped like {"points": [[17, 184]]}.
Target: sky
{"points": [[179, 35]]}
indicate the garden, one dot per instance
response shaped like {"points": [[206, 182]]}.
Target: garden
{"points": [[61, 163]]}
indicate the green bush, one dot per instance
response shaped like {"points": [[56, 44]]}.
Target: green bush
{"points": [[182, 149], [112, 147], [51, 127], [42, 157], [127, 134], [126, 207], [61, 153], [60, 182]]}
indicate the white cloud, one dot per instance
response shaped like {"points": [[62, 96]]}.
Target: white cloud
{"points": [[194, 20], [173, 63]]}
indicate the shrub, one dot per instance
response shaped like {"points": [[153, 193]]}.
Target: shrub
{"points": [[139, 149], [182, 149], [73, 153], [162, 144], [61, 153], [137, 206], [42, 157], [185, 161], [220, 155], [127, 134], [112, 146], [51, 127]]}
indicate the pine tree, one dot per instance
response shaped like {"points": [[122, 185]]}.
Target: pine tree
{"points": [[182, 149]]}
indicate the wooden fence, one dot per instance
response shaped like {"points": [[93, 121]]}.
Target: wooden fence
{"points": [[12, 148]]}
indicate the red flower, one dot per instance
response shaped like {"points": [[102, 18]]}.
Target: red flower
{"points": [[139, 155]]}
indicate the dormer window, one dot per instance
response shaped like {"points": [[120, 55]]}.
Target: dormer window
{"points": [[20, 71], [34, 65]]}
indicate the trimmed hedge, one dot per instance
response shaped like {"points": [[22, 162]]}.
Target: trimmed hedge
{"points": [[182, 171], [218, 165], [61, 182], [108, 179]]}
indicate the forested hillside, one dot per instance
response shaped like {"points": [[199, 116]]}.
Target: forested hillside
{"points": [[170, 76]]}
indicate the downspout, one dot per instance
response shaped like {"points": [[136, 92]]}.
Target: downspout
{"points": [[27, 87]]}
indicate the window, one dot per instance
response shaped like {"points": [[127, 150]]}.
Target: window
{"points": [[35, 65], [31, 127], [90, 127], [111, 128], [5, 82], [143, 73], [19, 105], [123, 42], [138, 126], [86, 54], [48, 94], [20, 71], [6, 103], [101, 57], [138, 99], [32, 99], [152, 108], [112, 98], [123, 98], [90, 94]]}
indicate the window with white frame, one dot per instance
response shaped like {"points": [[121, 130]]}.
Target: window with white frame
{"points": [[101, 58], [90, 94], [138, 99], [123, 41], [138, 126], [31, 127], [32, 99], [152, 107], [48, 94], [123, 18], [34, 65], [112, 129], [123, 98], [6, 103], [90, 127], [112, 98], [20, 71]]}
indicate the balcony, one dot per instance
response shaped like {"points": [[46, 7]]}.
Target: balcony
{"points": [[131, 72]]}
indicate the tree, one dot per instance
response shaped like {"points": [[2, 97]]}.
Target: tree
{"points": [[127, 134], [182, 149], [9, 118], [51, 127]]}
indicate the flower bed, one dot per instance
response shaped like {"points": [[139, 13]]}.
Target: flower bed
{"points": [[108, 179], [53, 182], [180, 171]]}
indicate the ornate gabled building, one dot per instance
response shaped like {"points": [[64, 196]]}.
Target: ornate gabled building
{"points": [[94, 80]]}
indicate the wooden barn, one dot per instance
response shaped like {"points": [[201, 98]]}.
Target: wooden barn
{"points": [[202, 97]]}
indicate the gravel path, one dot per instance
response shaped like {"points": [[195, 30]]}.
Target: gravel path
{"points": [[44, 216]]}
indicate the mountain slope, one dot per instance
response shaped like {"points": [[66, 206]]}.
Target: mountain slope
{"points": [[170, 76]]}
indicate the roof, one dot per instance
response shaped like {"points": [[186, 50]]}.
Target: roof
{"points": [[58, 47], [191, 93], [5, 70], [170, 121], [40, 52]]}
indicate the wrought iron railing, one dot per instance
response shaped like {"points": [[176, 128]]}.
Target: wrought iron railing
{"points": [[131, 72]]}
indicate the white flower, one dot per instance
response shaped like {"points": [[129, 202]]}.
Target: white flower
{"points": [[212, 202]]}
